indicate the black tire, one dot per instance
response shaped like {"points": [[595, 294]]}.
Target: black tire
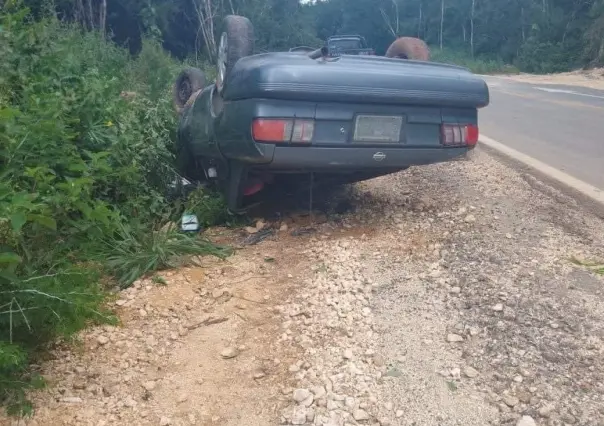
{"points": [[236, 42], [188, 84], [409, 48]]}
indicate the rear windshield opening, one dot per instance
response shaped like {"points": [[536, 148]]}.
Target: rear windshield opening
{"points": [[345, 44]]}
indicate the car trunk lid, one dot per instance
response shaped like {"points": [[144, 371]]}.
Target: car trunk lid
{"points": [[354, 78]]}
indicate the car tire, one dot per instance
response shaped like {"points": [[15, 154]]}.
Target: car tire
{"points": [[236, 42], [409, 48], [187, 86]]}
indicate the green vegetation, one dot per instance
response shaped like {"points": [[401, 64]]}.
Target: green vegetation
{"points": [[209, 206], [86, 134], [533, 35], [537, 36], [477, 65], [595, 267]]}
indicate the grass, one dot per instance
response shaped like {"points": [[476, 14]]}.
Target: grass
{"points": [[134, 253], [596, 267], [477, 65]]}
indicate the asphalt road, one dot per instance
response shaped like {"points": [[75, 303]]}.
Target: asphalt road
{"points": [[561, 126]]}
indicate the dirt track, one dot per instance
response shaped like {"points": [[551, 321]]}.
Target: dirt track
{"points": [[443, 295]]}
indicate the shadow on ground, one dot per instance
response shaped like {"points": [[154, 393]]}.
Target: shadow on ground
{"points": [[326, 200]]}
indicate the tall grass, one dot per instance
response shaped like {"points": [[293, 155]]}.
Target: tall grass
{"points": [[86, 155]]}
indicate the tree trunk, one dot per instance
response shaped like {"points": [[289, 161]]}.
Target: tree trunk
{"points": [[442, 23], [419, 25], [79, 14], [394, 30], [103, 18], [90, 16], [522, 24], [472, 27], [205, 17]]}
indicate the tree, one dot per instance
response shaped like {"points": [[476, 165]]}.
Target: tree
{"points": [[546, 33]]}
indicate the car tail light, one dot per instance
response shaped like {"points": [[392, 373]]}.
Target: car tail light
{"points": [[281, 130], [272, 130], [459, 135], [303, 131]]}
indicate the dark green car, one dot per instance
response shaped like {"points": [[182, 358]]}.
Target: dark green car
{"points": [[271, 116]]}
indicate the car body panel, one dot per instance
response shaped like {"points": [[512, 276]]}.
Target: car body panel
{"points": [[333, 93], [360, 79], [228, 136], [305, 159]]}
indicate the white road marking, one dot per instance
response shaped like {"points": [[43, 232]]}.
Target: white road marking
{"points": [[570, 92], [549, 89], [565, 179]]}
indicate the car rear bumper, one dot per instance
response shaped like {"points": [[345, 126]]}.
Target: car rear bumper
{"points": [[293, 158]]}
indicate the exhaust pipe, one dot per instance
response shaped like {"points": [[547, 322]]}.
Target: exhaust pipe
{"points": [[316, 54]]}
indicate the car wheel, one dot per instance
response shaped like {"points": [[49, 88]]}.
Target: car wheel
{"points": [[236, 42], [409, 48], [187, 86]]}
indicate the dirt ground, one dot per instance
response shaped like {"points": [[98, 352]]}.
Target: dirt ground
{"points": [[442, 295], [593, 79]]}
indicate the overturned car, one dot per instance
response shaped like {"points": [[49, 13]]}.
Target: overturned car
{"points": [[272, 117]]}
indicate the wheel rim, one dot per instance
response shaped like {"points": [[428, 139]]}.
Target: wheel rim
{"points": [[221, 62]]}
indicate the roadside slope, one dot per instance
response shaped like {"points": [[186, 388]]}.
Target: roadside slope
{"points": [[446, 296]]}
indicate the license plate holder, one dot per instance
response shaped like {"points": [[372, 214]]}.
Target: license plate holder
{"points": [[378, 128]]}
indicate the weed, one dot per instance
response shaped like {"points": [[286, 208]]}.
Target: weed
{"points": [[208, 205], [158, 279], [135, 252], [596, 267]]}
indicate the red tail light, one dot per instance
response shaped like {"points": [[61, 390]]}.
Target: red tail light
{"points": [[272, 130], [282, 130], [459, 135]]}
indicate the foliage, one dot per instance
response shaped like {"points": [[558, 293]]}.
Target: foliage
{"points": [[86, 136], [478, 65], [535, 35], [545, 57], [134, 252], [209, 207], [596, 267]]}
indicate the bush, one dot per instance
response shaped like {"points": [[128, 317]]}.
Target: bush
{"points": [[478, 65], [86, 137], [546, 57], [208, 205]]}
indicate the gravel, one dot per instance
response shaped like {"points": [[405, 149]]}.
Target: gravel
{"points": [[437, 265], [445, 297]]}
